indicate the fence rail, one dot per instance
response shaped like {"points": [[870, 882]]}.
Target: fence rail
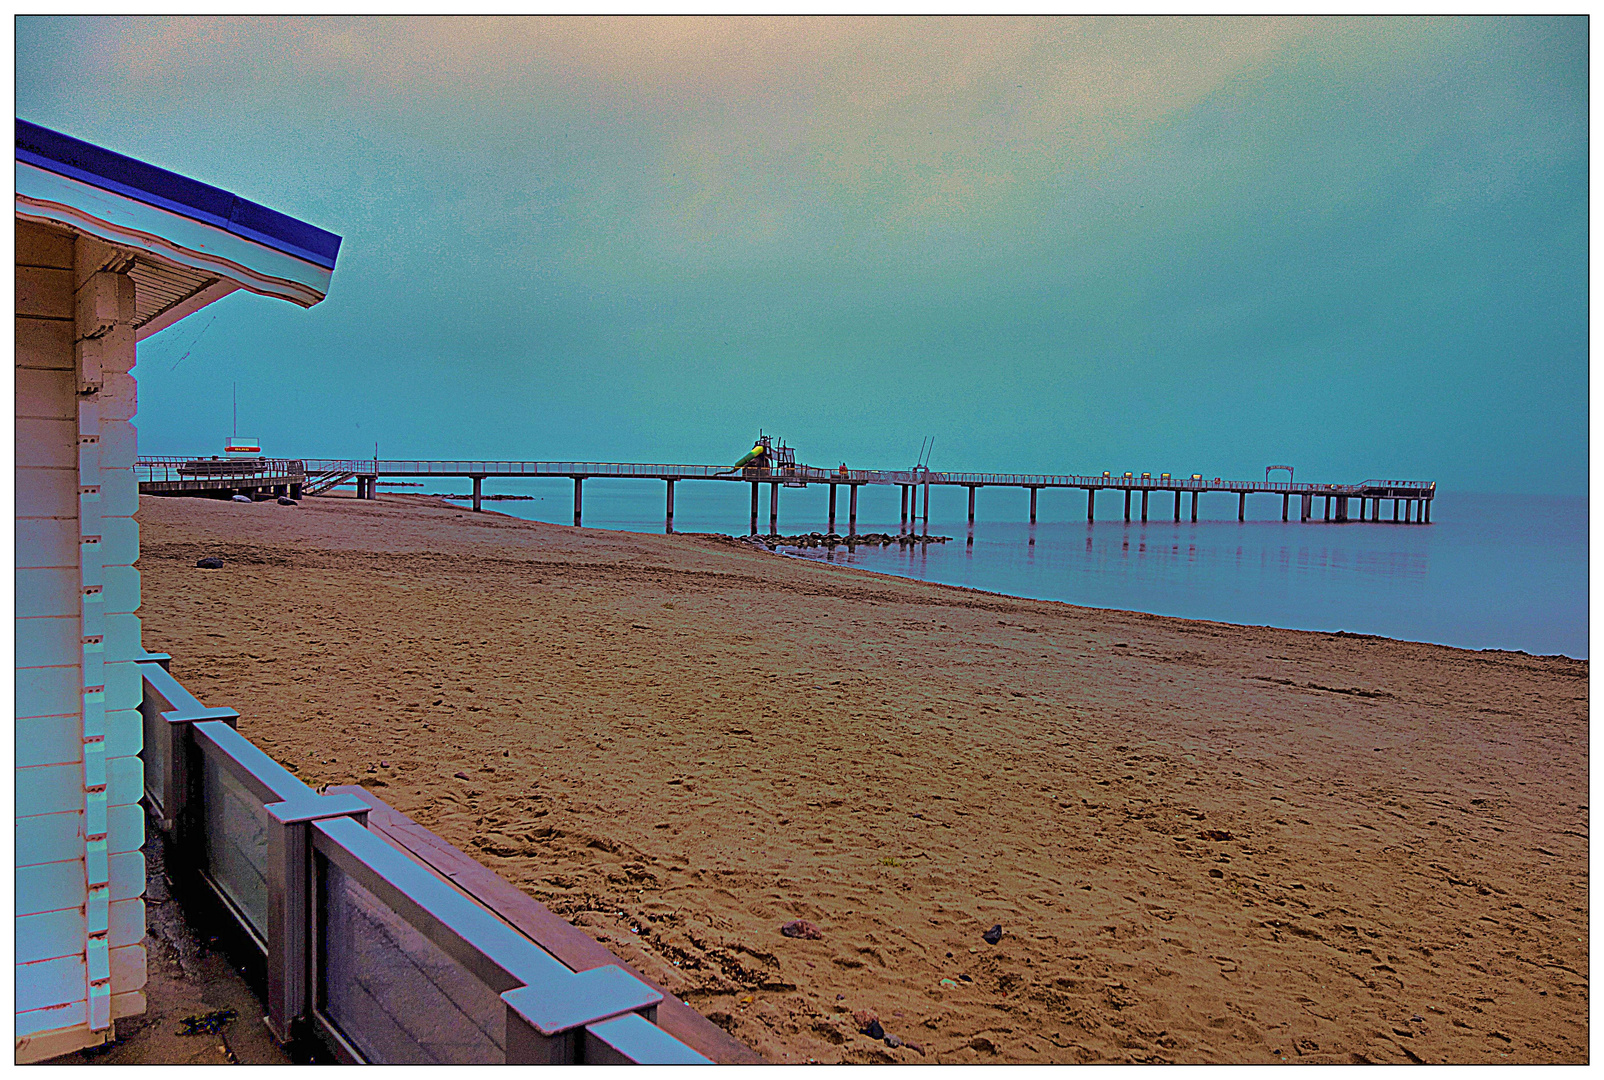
{"points": [[364, 949]]}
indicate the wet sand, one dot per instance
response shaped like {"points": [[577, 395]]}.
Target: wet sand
{"points": [[1204, 842]]}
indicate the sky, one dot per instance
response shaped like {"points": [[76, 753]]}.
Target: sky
{"points": [[1355, 246]]}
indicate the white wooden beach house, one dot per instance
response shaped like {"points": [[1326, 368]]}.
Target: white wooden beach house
{"points": [[109, 251]]}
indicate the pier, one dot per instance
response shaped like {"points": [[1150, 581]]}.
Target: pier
{"points": [[221, 477], [1367, 501]]}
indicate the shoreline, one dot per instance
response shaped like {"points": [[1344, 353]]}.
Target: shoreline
{"points": [[681, 746], [797, 552], [1045, 599]]}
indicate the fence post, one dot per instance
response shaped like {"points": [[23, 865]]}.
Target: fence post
{"points": [[631, 1040], [289, 905], [167, 735], [548, 1029]]}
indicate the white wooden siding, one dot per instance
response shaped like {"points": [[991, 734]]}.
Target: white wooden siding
{"points": [[52, 974], [49, 740]]}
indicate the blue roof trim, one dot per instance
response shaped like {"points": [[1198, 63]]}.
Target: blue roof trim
{"points": [[179, 194]]}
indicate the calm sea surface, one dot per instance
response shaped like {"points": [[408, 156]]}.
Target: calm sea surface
{"points": [[1491, 571]]}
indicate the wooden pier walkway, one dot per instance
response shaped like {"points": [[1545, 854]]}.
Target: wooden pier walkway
{"points": [[1411, 499]]}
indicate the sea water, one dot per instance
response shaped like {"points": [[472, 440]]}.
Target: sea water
{"points": [[1490, 571]]}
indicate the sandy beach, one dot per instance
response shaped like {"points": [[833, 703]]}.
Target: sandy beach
{"points": [[1203, 842]]}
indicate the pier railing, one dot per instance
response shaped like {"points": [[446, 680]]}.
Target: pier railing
{"points": [[172, 469], [364, 949], [808, 474], [1413, 496]]}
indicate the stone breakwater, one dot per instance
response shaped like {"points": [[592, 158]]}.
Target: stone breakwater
{"points": [[835, 540]]}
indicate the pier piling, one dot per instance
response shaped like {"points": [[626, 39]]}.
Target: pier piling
{"points": [[1328, 508], [477, 480], [971, 504], [579, 499], [852, 510], [1127, 506], [774, 509], [754, 508], [1144, 507], [1033, 505], [902, 524], [1177, 505], [831, 529], [1286, 504], [1194, 507], [1241, 506], [1091, 496], [668, 518]]}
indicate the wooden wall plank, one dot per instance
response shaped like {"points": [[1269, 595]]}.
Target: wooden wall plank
{"points": [[46, 838], [48, 593], [44, 344], [49, 740], [47, 493], [44, 293], [42, 642], [45, 394], [44, 983], [127, 968], [46, 444], [43, 542], [49, 691], [41, 245]]}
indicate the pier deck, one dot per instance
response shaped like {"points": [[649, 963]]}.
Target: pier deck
{"points": [[1410, 498]]}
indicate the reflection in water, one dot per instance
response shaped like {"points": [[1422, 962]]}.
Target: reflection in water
{"points": [[1492, 571], [1524, 588]]}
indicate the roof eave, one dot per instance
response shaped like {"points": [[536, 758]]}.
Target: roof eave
{"points": [[52, 198]]}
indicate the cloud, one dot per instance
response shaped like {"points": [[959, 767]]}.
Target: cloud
{"points": [[743, 129]]}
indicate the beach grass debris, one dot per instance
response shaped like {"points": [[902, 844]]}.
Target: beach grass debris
{"points": [[206, 1023], [867, 1022]]}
